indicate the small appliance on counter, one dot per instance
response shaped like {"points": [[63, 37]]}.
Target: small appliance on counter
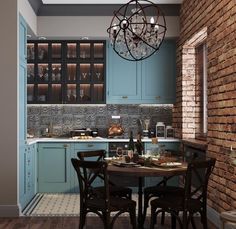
{"points": [[160, 129], [115, 128], [84, 133], [169, 132]]}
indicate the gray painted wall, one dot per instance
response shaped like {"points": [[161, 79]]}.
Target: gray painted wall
{"points": [[8, 103]]}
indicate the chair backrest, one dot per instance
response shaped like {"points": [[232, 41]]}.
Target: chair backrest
{"points": [[98, 155], [87, 172], [196, 180]]}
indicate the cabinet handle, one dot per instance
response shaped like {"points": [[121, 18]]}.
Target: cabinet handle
{"points": [[90, 145], [124, 97], [65, 146], [158, 97]]}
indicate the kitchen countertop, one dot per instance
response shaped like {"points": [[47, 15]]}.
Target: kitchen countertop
{"points": [[96, 139]]}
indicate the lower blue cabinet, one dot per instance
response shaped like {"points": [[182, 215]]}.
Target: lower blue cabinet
{"points": [[55, 171], [27, 175], [87, 147], [54, 167]]}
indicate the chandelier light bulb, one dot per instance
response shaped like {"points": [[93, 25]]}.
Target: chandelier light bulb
{"points": [[152, 21]]}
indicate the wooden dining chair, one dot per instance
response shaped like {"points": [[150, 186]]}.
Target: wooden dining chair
{"points": [[115, 190], [87, 172], [192, 201]]}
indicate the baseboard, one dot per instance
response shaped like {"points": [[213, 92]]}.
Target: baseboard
{"points": [[9, 211], [214, 217]]}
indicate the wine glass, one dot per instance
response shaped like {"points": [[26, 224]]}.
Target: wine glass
{"points": [[98, 75], [81, 93], [84, 75]]}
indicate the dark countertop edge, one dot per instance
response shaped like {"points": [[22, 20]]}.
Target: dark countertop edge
{"points": [[195, 143]]}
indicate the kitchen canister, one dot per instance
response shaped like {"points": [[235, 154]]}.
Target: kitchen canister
{"points": [[169, 132], [160, 129]]}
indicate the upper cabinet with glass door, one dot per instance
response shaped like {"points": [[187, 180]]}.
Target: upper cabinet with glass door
{"points": [[66, 71]]}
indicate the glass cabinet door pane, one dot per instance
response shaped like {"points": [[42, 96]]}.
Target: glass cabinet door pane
{"points": [[56, 50], [98, 73], [85, 50], [71, 50], [85, 93], [56, 95], [98, 50], [43, 52], [71, 93], [30, 51], [30, 72], [30, 92], [98, 94], [71, 72], [42, 93], [85, 72], [43, 72], [56, 72]]}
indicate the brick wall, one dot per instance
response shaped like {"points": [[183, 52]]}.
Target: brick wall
{"points": [[219, 19]]}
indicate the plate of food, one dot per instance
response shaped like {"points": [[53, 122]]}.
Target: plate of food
{"points": [[170, 164], [125, 164]]}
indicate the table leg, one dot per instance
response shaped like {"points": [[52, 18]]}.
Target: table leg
{"points": [[140, 202]]}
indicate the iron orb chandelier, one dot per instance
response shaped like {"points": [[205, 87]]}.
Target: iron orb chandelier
{"points": [[134, 34]]}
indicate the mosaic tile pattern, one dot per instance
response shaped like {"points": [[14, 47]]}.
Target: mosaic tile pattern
{"points": [[68, 117], [62, 205]]}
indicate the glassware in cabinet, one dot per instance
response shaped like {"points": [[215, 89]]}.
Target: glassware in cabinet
{"points": [[42, 75], [85, 72], [85, 50], [71, 50], [98, 50], [56, 72], [30, 72], [85, 93], [56, 51], [30, 93], [71, 72], [56, 93], [98, 94], [71, 96], [30, 51], [42, 93], [43, 51], [98, 72]]}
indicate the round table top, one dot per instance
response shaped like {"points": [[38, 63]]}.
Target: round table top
{"points": [[146, 171]]}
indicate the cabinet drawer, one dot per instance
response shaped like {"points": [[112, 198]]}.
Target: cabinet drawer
{"points": [[90, 146]]}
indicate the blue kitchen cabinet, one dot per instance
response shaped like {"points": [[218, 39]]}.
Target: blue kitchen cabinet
{"points": [[86, 147], [150, 81], [54, 167], [22, 173], [172, 146], [123, 79], [159, 75], [27, 175]]}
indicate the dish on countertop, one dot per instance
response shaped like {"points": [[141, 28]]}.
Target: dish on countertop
{"points": [[170, 164]]}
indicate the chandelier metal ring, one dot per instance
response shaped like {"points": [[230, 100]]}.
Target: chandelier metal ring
{"points": [[137, 30]]}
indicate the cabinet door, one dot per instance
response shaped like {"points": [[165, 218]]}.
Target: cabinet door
{"points": [[159, 75], [124, 80], [86, 147], [54, 167]]}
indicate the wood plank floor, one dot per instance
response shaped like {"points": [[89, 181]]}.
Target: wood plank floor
{"points": [[73, 222]]}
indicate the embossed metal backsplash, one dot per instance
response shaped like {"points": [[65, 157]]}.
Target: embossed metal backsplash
{"points": [[66, 118]]}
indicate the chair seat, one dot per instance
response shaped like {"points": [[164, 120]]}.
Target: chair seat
{"points": [[176, 202], [162, 190], [114, 191], [116, 204]]}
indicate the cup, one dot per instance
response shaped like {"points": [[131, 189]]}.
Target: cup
{"points": [[130, 154]]}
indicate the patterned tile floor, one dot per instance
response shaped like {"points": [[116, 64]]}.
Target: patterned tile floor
{"points": [[56, 205]]}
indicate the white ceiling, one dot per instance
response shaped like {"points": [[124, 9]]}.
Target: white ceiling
{"points": [[106, 1]]}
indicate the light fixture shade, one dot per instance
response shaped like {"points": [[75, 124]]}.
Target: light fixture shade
{"points": [[134, 34]]}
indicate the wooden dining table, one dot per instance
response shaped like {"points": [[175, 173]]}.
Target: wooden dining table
{"points": [[142, 172]]}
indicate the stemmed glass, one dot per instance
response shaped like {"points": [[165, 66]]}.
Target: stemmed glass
{"points": [[98, 75], [81, 93], [84, 75]]}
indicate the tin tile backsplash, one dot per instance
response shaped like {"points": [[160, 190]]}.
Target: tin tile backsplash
{"points": [[65, 118]]}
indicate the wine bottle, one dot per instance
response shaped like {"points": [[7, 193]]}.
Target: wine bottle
{"points": [[131, 141]]}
